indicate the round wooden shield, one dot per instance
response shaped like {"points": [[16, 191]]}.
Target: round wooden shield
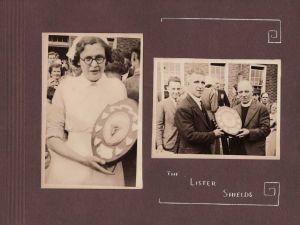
{"points": [[115, 130], [228, 120]]}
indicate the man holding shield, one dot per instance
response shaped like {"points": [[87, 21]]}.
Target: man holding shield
{"points": [[255, 123], [195, 129]]}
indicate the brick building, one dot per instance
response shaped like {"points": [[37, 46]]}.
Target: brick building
{"points": [[264, 77]]}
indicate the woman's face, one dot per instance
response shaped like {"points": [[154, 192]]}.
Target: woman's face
{"points": [[273, 108], [94, 70]]}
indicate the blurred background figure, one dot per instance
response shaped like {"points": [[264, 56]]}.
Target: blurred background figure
{"points": [[209, 100], [51, 57], [222, 96], [256, 96], [65, 68], [55, 76], [264, 99], [222, 143], [271, 139], [132, 83], [116, 68], [235, 97], [128, 66]]}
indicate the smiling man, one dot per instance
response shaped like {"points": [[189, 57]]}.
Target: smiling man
{"points": [[195, 129], [255, 122], [166, 131]]}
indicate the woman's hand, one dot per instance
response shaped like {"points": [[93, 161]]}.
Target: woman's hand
{"points": [[57, 145], [94, 161], [53, 82]]}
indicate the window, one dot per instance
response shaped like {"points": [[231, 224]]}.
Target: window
{"points": [[257, 78], [217, 72], [58, 41]]}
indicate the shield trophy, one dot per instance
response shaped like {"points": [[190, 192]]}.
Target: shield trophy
{"points": [[115, 130], [228, 120]]}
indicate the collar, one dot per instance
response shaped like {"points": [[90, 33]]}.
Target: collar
{"points": [[86, 83], [136, 72], [247, 104], [173, 101], [197, 100]]}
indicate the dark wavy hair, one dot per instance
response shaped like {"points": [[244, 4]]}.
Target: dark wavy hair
{"points": [[90, 41], [117, 65], [137, 51], [54, 65], [174, 79]]}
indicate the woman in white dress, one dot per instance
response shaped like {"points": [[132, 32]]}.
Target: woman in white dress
{"points": [[271, 139], [77, 103]]}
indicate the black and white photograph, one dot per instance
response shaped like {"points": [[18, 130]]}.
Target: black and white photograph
{"points": [[216, 108], [92, 110]]}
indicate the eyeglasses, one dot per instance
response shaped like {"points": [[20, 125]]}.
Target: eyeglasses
{"points": [[89, 59]]}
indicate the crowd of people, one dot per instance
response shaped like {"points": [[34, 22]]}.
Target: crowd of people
{"points": [[124, 66], [186, 123], [79, 88]]}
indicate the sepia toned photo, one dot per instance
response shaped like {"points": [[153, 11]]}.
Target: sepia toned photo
{"points": [[92, 110], [216, 108]]}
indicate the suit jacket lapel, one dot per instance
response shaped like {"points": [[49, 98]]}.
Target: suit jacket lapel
{"points": [[251, 112], [196, 108], [239, 110], [171, 105]]}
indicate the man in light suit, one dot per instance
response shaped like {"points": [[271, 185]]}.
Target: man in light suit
{"points": [[166, 131], [255, 123], [195, 129]]}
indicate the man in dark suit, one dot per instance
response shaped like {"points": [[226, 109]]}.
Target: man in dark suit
{"points": [[222, 101], [222, 96], [195, 129], [166, 131], [255, 123]]}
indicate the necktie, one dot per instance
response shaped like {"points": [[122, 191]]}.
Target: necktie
{"points": [[200, 105], [204, 113]]}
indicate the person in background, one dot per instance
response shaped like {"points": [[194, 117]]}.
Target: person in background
{"points": [[132, 87], [271, 139], [132, 83], [264, 98], [235, 98], [166, 131], [222, 96], [128, 67], [256, 95], [55, 75], [116, 68], [65, 67], [209, 100], [51, 57]]}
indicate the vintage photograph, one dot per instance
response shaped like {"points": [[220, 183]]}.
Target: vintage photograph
{"points": [[216, 108], [92, 110]]}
